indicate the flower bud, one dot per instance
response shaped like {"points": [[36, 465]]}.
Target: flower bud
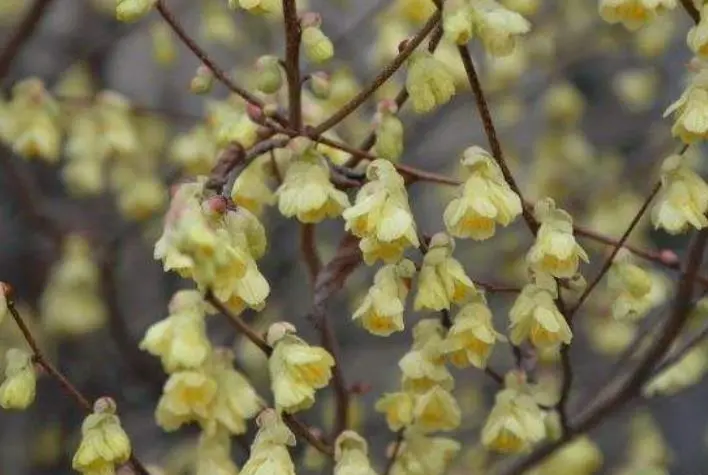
{"points": [[429, 82], [133, 10], [163, 45], [320, 84], [269, 77], [389, 132], [457, 21], [202, 81], [19, 388], [317, 46]]}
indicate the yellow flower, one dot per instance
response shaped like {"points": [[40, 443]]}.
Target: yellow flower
{"points": [[389, 131], [690, 111], [317, 46], [351, 455], [631, 287], [697, 37], [381, 215], [424, 365], [422, 455], [381, 312], [307, 192], [18, 389], [251, 189], [686, 372], [683, 200], [236, 401], [498, 27], [633, 14], [133, 10], [416, 11], [296, 369], [534, 316], [230, 123], [457, 21], [429, 82], [563, 104], [256, 7], [555, 250], [195, 151], [472, 336], [398, 409], [515, 422], [484, 200], [104, 443], [119, 132], [213, 455], [436, 410], [143, 198], [71, 303], [269, 453], [442, 280], [579, 457], [186, 397]]}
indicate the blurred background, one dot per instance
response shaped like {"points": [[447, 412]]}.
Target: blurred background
{"points": [[579, 108]]}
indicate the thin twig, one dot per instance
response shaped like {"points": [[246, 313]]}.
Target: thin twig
{"points": [[397, 444], [381, 79], [309, 252], [692, 11], [292, 62], [21, 35], [219, 73], [684, 348], [71, 390]]}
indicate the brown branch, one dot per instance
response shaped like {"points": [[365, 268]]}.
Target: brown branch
{"points": [[491, 132], [397, 444], [681, 351], [21, 35], [628, 387], [41, 360], [219, 73], [309, 252], [292, 62], [691, 10], [383, 76]]}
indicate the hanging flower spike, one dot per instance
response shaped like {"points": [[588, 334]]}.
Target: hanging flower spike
{"points": [[484, 200], [18, 389], [472, 336], [515, 422], [631, 286], [633, 14], [555, 250], [104, 444], [429, 82], [381, 216], [307, 192], [442, 280], [683, 200], [351, 455], [381, 312], [180, 340], [535, 317], [424, 365], [269, 453], [398, 409], [296, 369], [436, 410], [236, 400]]}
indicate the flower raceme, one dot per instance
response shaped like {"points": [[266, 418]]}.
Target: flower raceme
{"points": [[296, 369], [104, 444], [633, 14], [381, 312], [515, 422], [381, 216], [442, 279], [472, 336], [215, 246], [683, 199], [535, 317], [483, 201], [307, 192], [555, 250]]}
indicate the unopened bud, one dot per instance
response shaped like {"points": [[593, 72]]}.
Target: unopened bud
{"points": [[202, 81], [320, 84], [269, 77], [278, 331], [317, 46]]}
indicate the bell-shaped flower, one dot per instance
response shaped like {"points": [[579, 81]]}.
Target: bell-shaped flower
{"points": [[633, 14], [631, 287], [555, 251], [683, 199], [690, 111], [436, 410], [388, 129], [442, 279], [381, 216], [497, 26], [187, 396], [429, 82], [423, 455], [269, 451], [381, 312], [297, 369], [483, 201], [351, 455], [397, 408], [19, 387], [424, 365]]}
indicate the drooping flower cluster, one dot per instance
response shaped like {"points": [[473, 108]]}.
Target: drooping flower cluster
{"points": [[484, 200], [215, 246], [381, 216]]}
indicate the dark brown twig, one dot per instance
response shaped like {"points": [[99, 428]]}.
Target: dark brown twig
{"points": [[396, 448], [692, 11], [21, 35], [292, 63]]}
